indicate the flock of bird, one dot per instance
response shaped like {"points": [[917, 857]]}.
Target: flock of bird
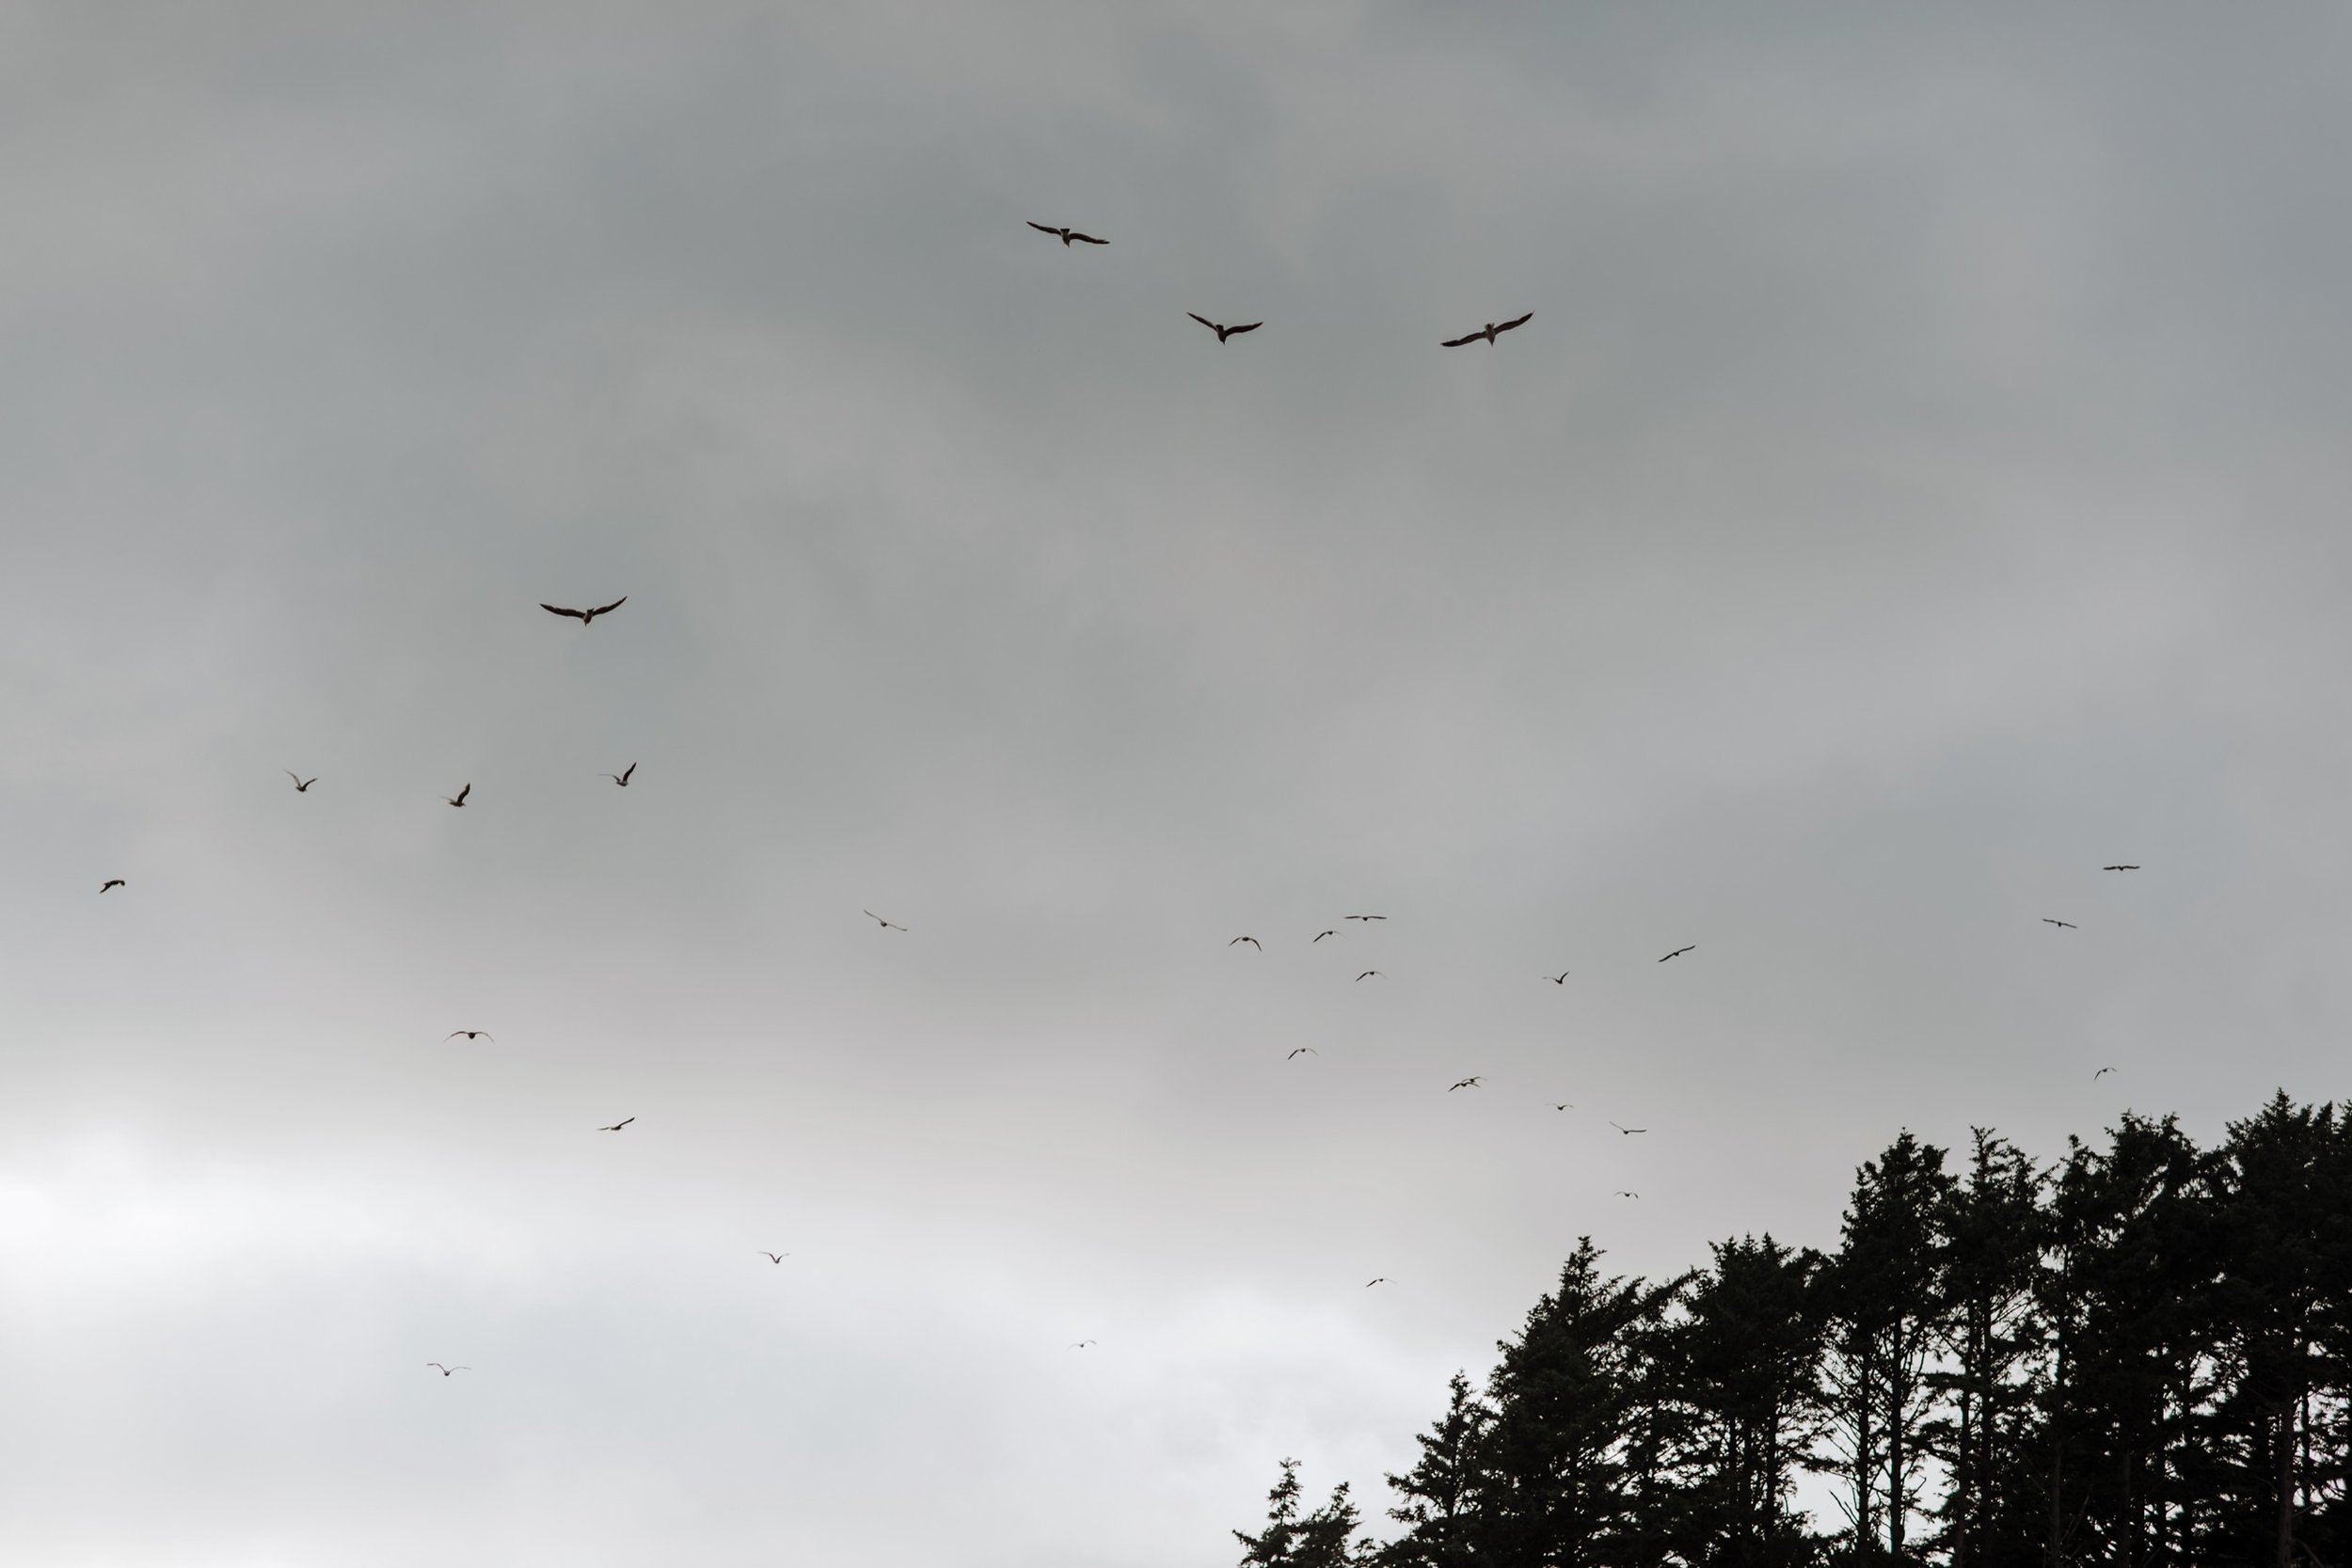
{"points": [[1487, 334]]}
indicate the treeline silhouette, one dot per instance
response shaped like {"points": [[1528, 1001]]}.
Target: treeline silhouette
{"points": [[2140, 1355]]}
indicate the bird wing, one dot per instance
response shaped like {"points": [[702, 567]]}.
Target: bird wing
{"points": [[1046, 229], [1457, 342], [297, 778], [463, 793], [1204, 321], [608, 608], [1251, 327], [1086, 239], [559, 610], [1367, 975], [1505, 326], [626, 773]]}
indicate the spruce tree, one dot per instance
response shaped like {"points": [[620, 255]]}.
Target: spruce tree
{"points": [[1442, 1493]]}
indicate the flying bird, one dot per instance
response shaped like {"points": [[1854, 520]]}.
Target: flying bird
{"points": [[1629, 1131], [1622, 1192], [1251, 941], [1491, 331], [473, 1035], [886, 924], [301, 783], [773, 1257], [1678, 952], [1224, 332], [447, 1371], [1564, 1107], [2066, 923], [1370, 1283], [2101, 1073], [1084, 1343], [1319, 935], [1304, 1050], [1559, 979], [459, 799], [2118, 868], [622, 777], [1367, 975], [112, 883], [1364, 917], [618, 1125], [584, 616], [1465, 1083], [1066, 236]]}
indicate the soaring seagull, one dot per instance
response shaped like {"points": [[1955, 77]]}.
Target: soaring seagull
{"points": [[584, 616], [1629, 1131], [447, 1371], [1370, 1283], [618, 1125], [884, 923], [2101, 1073], [773, 1257], [459, 799], [1559, 979], [112, 883], [1567, 1105], [473, 1035], [1367, 975], [1224, 332], [2066, 923], [1490, 331], [1679, 951], [1251, 941], [301, 783], [1465, 1083], [622, 777], [1364, 917], [2118, 868], [1621, 1193], [1066, 236], [1304, 1050], [1084, 1343]]}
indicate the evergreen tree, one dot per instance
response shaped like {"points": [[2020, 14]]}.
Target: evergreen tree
{"points": [[1444, 1490], [1323, 1539]]}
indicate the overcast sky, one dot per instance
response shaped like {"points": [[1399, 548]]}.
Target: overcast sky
{"points": [[1922, 483]]}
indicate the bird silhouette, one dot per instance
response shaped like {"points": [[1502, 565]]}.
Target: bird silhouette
{"points": [[1319, 935], [1304, 1050], [886, 924], [1084, 1343], [773, 1257], [1559, 979], [1629, 1131], [2068, 924], [618, 1125], [1364, 917], [1569, 1105], [622, 777], [2101, 1073], [1367, 975], [1370, 1283], [459, 799], [1490, 332], [2118, 868], [112, 883], [1224, 332], [447, 1371], [1622, 1192], [584, 616], [1465, 1083], [1678, 952], [1251, 941], [1066, 236], [301, 783], [473, 1035]]}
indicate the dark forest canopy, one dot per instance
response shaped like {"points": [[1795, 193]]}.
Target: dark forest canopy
{"points": [[2140, 1355]]}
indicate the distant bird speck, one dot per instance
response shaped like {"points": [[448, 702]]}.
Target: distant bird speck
{"points": [[1066, 236], [2118, 868], [112, 883], [1304, 1050], [623, 777], [1559, 979], [2101, 1073], [585, 616], [884, 923], [1465, 1083], [447, 1371], [2066, 924], [1490, 331], [1367, 975], [1251, 941], [301, 783], [1224, 332], [472, 1034], [1679, 951], [1084, 1343], [1622, 1192], [1629, 1131], [1370, 1283], [618, 1125], [1364, 917], [459, 799], [1319, 935], [1564, 1106], [773, 1257]]}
